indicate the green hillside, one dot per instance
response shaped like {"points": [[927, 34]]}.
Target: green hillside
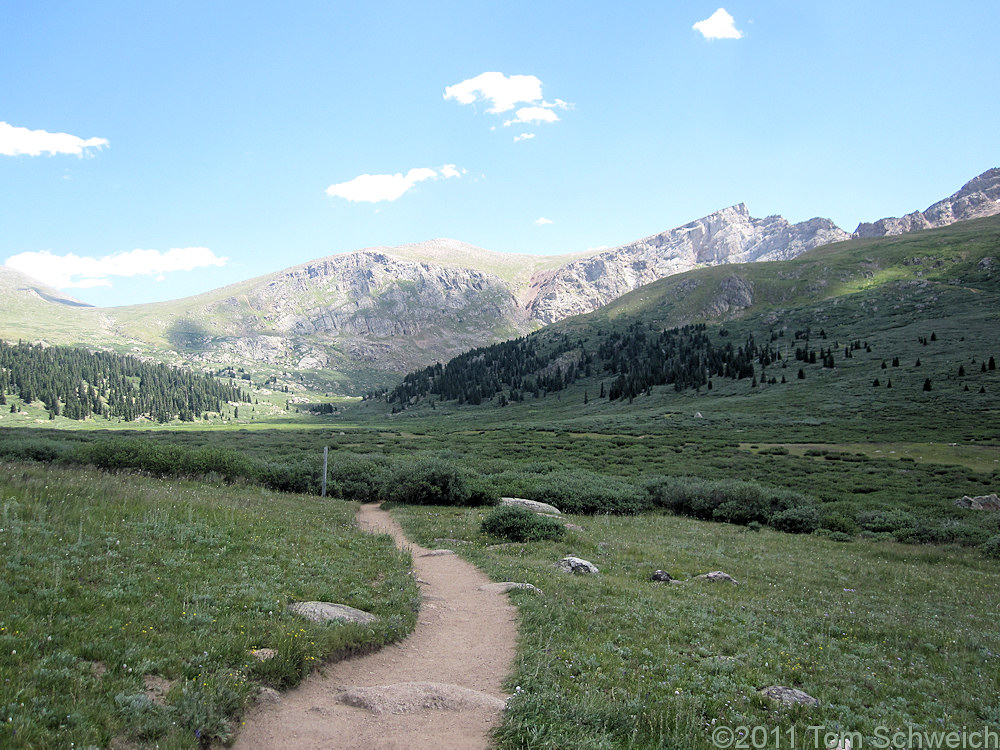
{"points": [[926, 304]]}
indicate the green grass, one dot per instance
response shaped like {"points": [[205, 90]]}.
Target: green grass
{"points": [[884, 635], [109, 581]]}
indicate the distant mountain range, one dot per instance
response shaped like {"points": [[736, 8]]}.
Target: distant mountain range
{"points": [[358, 320]]}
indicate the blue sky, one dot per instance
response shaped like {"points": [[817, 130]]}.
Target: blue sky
{"points": [[225, 140]]}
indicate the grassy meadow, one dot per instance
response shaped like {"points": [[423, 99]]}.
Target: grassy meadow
{"points": [[135, 556], [882, 634], [129, 606]]}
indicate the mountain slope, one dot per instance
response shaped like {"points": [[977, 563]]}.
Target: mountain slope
{"points": [[816, 309], [727, 236]]}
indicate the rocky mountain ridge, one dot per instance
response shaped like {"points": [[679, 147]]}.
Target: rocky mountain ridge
{"points": [[979, 197], [731, 235], [356, 320]]}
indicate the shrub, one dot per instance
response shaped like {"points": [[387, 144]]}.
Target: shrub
{"points": [[880, 521], [731, 501], [432, 482], [840, 523], [991, 547], [801, 520], [585, 492], [356, 478], [521, 525]]}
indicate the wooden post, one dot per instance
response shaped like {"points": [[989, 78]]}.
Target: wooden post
{"points": [[326, 450]]}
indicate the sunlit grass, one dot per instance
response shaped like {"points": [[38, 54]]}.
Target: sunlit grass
{"points": [[882, 634], [110, 582]]}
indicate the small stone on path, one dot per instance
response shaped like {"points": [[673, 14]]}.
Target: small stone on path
{"points": [[438, 553], [326, 611], [409, 697]]}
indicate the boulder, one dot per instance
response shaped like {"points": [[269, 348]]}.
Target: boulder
{"points": [[788, 696], [718, 575], [326, 611], [533, 505], [577, 565], [438, 553], [661, 575], [982, 502]]}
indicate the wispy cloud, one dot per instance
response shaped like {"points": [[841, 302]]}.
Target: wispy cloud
{"points": [[523, 137], [375, 188], [542, 221], [719, 25], [15, 141], [82, 272], [505, 94]]}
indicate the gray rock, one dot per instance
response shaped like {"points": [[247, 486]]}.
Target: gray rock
{"points": [[577, 565], [533, 505], [504, 586], [979, 197], [718, 575], [438, 553], [788, 696], [410, 697], [661, 575], [982, 502], [326, 612]]}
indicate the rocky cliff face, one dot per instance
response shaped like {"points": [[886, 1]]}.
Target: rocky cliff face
{"points": [[978, 197], [731, 235]]}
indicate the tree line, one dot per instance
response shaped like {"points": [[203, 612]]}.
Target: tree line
{"points": [[79, 384]]}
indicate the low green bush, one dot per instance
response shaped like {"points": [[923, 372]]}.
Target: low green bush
{"points": [[433, 482], [991, 547], [521, 525], [804, 519]]}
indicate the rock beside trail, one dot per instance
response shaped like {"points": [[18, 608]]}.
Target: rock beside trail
{"points": [[438, 553], [326, 612], [409, 697], [662, 575], [533, 505], [577, 565], [718, 575], [504, 586], [982, 502], [788, 696]]}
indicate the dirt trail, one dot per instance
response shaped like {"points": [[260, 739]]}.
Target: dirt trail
{"points": [[454, 661]]}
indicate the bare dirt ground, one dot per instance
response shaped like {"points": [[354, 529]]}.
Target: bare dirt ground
{"points": [[439, 689]]}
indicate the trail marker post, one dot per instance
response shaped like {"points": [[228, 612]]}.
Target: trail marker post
{"points": [[326, 451]]}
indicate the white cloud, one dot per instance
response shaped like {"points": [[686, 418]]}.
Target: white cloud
{"points": [[541, 221], [533, 115], [504, 93], [15, 141], [82, 272], [719, 25], [374, 188], [523, 137]]}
